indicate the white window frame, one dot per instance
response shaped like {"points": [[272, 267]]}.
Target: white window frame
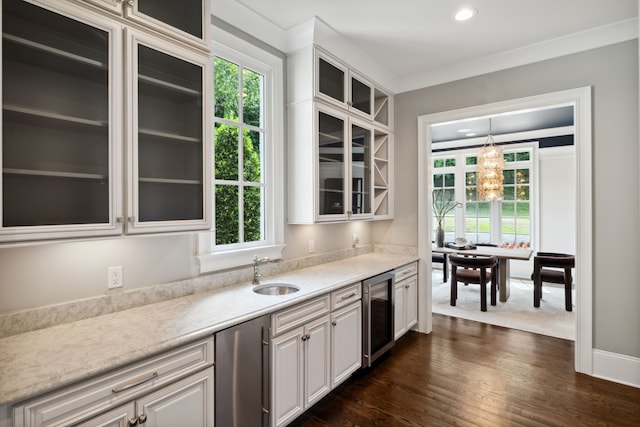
{"points": [[210, 256], [460, 170]]}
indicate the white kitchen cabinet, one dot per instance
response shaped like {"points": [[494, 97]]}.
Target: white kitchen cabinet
{"points": [[406, 299], [340, 142], [174, 388], [339, 184], [346, 342], [300, 369], [64, 107], [315, 346], [187, 402], [185, 20]]}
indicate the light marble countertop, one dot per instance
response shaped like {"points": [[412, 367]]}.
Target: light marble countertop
{"points": [[35, 362]]}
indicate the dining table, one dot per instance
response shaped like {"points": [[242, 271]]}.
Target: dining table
{"points": [[503, 256]]}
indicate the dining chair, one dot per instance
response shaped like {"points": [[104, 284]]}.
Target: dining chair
{"points": [[477, 270], [441, 259], [552, 267]]}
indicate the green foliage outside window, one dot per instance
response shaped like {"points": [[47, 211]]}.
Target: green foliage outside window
{"points": [[228, 147]]}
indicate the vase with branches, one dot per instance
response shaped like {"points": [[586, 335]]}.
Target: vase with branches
{"points": [[443, 203]]}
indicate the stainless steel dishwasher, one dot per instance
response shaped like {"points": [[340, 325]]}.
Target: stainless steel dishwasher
{"points": [[242, 374]]}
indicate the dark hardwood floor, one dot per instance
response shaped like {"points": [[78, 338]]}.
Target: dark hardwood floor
{"points": [[467, 373]]}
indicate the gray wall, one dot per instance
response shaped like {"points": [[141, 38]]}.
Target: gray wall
{"points": [[613, 74]]}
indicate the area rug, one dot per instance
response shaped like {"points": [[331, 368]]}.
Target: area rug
{"points": [[517, 313]]}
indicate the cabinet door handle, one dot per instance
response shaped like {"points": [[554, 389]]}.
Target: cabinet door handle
{"points": [[135, 382], [142, 418], [131, 3], [133, 422], [351, 295], [406, 286], [334, 323]]}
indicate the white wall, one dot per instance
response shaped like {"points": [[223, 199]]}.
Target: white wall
{"points": [[556, 206], [612, 72]]}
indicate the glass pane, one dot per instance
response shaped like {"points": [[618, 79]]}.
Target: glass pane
{"points": [[225, 143], [253, 228], [252, 155], [227, 215], [472, 160], [438, 180], [331, 164], [449, 180], [523, 156], [484, 209], [49, 69], [226, 87], [522, 175], [522, 192], [471, 194], [471, 178], [186, 15], [252, 98], [523, 209], [509, 157], [508, 176], [471, 209], [450, 162], [438, 163], [360, 170], [331, 80], [360, 96], [508, 193], [508, 209]]}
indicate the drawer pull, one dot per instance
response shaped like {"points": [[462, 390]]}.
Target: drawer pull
{"points": [[136, 382], [351, 295]]}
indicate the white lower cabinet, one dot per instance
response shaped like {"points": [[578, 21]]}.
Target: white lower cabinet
{"points": [[300, 377], [187, 402], [171, 389], [346, 342], [405, 299], [315, 346]]}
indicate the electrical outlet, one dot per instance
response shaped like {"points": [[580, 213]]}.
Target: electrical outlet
{"points": [[114, 277], [312, 246]]}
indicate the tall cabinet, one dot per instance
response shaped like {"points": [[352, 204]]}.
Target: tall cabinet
{"points": [[105, 118], [340, 142]]}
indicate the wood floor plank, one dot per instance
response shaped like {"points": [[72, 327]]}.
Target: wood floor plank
{"points": [[467, 373]]}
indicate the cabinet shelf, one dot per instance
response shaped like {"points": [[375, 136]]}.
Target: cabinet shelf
{"points": [[170, 181], [51, 116], [55, 174], [84, 60], [168, 135], [163, 84]]}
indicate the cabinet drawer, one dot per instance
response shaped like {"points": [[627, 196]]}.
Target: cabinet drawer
{"points": [[295, 316], [85, 399], [406, 271], [346, 296]]}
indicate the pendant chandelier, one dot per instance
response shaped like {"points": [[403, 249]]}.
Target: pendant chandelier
{"points": [[490, 168]]}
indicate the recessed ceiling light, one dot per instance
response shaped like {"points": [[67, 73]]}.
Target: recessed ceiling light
{"points": [[471, 134], [464, 130], [465, 14]]}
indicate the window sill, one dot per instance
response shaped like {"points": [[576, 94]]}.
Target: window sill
{"points": [[218, 261]]}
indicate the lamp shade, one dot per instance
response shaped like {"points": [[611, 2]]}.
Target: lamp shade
{"points": [[490, 172]]}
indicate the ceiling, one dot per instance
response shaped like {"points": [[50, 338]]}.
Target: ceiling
{"points": [[414, 37], [420, 44]]}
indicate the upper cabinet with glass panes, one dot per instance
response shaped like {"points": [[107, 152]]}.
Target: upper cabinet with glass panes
{"points": [[80, 89], [186, 20], [315, 73]]}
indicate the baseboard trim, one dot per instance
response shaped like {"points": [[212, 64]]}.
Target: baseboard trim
{"points": [[616, 367]]}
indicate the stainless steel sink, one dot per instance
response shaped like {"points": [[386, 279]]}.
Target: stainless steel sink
{"points": [[276, 289]]}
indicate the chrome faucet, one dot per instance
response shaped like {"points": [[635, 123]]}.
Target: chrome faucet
{"points": [[256, 268]]}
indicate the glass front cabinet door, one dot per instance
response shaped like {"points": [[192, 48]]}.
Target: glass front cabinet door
{"points": [[167, 150], [182, 19], [59, 124], [344, 167]]}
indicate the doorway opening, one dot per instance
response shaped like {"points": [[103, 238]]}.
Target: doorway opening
{"points": [[580, 100]]}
